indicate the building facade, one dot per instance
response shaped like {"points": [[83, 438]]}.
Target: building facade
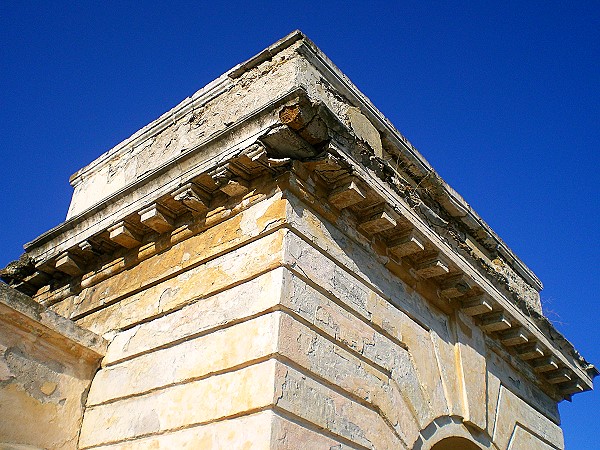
{"points": [[271, 264]]}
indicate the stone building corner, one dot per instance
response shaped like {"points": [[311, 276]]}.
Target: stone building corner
{"points": [[272, 265]]}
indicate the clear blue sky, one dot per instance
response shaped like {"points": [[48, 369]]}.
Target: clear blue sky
{"points": [[502, 98]]}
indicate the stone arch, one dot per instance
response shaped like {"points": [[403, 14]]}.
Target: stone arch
{"points": [[455, 443], [451, 433]]}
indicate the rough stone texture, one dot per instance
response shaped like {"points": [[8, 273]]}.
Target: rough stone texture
{"points": [[46, 366], [241, 302], [196, 252], [253, 431], [268, 275], [194, 358], [262, 430], [188, 286], [220, 396], [515, 417], [346, 359]]}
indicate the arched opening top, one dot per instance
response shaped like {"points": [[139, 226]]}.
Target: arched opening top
{"points": [[450, 433], [455, 443]]}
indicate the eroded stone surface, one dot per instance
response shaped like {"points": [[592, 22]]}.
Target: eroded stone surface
{"points": [[223, 309], [253, 431], [278, 270], [195, 358], [46, 366], [514, 413], [202, 281]]}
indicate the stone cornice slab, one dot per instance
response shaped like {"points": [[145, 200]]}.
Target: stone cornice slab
{"points": [[20, 311]]}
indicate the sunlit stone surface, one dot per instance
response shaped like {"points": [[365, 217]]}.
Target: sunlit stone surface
{"points": [[271, 265]]}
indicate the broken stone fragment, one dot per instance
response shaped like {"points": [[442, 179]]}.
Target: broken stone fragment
{"points": [[16, 271], [365, 130], [284, 142], [234, 188], [297, 116], [192, 197]]}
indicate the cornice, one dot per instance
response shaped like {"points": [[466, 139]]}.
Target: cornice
{"points": [[20, 311], [402, 149], [419, 166], [203, 96]]}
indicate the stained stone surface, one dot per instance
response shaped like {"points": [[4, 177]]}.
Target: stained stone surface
{"points": [[267, 275], [46, 366]]}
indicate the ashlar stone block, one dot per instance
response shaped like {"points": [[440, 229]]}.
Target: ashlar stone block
{"points": [[172, 408], [220, 350], [187, 287], [348, 194]]}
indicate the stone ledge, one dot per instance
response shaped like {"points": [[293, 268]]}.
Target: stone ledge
{"points": [[23, 312], [490, 308], [388, 220]]}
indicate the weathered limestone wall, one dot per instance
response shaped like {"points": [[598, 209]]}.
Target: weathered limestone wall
{"points": [[442, 366], [275, 266], [46, 366], [228, 248], [193, 338], [274, 327]]}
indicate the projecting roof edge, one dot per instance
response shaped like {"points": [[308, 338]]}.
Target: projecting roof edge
{"points": [[343, 83], [207, 93], [532, 320], [66, 226], [460, 208], [269, 143], [203, 95]]}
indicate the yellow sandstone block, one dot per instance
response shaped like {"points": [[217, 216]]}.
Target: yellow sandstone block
{"points": [[325, 408], [234, 304], [359, 379], [264, 430], [230, 269], [215, 352], [216, 240], [514, 413], [194, 403], [246, 432]]}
